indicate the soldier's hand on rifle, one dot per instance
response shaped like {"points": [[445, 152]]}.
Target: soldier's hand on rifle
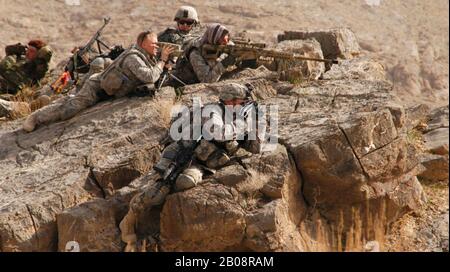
{"points": [[165, 53], [228, 61]]}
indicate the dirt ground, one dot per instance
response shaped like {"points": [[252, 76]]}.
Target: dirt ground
{"points": [[410, 38]]}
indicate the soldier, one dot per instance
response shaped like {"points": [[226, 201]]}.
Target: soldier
{"points": [[208, 155], [24, 65], [135, 67], [194, 67], [187, 20]]}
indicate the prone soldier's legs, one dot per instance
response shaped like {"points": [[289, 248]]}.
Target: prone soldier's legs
{"points": [[67, 107]]}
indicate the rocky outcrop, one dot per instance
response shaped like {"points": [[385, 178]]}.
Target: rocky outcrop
{"points": [[335, 43], [64, 164], [435, 136], [342, 171], [297, 70]]}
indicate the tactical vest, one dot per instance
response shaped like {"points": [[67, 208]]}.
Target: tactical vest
{"points": [[184, 70], [118, 81]]}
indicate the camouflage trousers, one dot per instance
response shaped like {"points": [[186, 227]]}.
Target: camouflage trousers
{"points": [[152, 195], [67, 107]]}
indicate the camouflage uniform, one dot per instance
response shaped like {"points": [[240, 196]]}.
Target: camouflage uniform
{"points": [[96, 66], [194, 67], [136, 65], [208, 156], [16, 71], [173, 35]]}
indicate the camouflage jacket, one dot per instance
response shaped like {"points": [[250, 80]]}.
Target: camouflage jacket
{"points": [[194, 68], [17, 72], [138, 67], [13, 74], [173, 35]]}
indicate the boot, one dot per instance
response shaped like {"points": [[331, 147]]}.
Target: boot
{"points": [[30, 123]]}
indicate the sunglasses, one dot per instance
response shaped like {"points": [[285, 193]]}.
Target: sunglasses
{"points": [[188, 23]]}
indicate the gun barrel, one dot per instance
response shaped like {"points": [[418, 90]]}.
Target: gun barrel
{"points": [[291, 56], [333, 61], [248, 43], [252, 52], [95, 37]]}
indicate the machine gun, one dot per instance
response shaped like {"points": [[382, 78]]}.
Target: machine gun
{"points": [[245, 50], [79, 62]]}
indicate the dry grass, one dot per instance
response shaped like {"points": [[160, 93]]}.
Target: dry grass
{"points": [[414, 137], [352, 231]]}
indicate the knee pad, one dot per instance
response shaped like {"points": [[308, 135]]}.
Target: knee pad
{"points": [[188, 179], [218, 159]]}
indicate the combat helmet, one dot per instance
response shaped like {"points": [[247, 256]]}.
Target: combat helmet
{"points": [[186, 12], [233, 91]]}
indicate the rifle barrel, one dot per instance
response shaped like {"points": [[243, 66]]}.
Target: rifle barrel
{"points": [[286, 55], [333, 61]]}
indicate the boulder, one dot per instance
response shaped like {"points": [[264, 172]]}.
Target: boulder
{"points": [[435, 158], [92, 225], [236, 216], [438, 118], [342, 154], [298, 70], [344, 138], [436, 141], [204, 218], [436, 167], [358, 68], [56, 167], [335, 43]]}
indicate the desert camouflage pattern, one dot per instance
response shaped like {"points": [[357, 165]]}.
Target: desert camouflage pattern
{"points": [[137, 69], [173, 35], [17, 72], [207, 71], [208, 156]]}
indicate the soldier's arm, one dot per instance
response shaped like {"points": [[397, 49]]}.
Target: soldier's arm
{"points": [[204, 72], [41, 70], [143, 72]]}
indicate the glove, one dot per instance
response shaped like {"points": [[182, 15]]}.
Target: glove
{"points": [[228, 61]]}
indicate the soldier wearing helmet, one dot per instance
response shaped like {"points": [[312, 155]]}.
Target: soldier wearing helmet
{"points": [[212, 152], [137, 66], [187, 21], [196, 67]]}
